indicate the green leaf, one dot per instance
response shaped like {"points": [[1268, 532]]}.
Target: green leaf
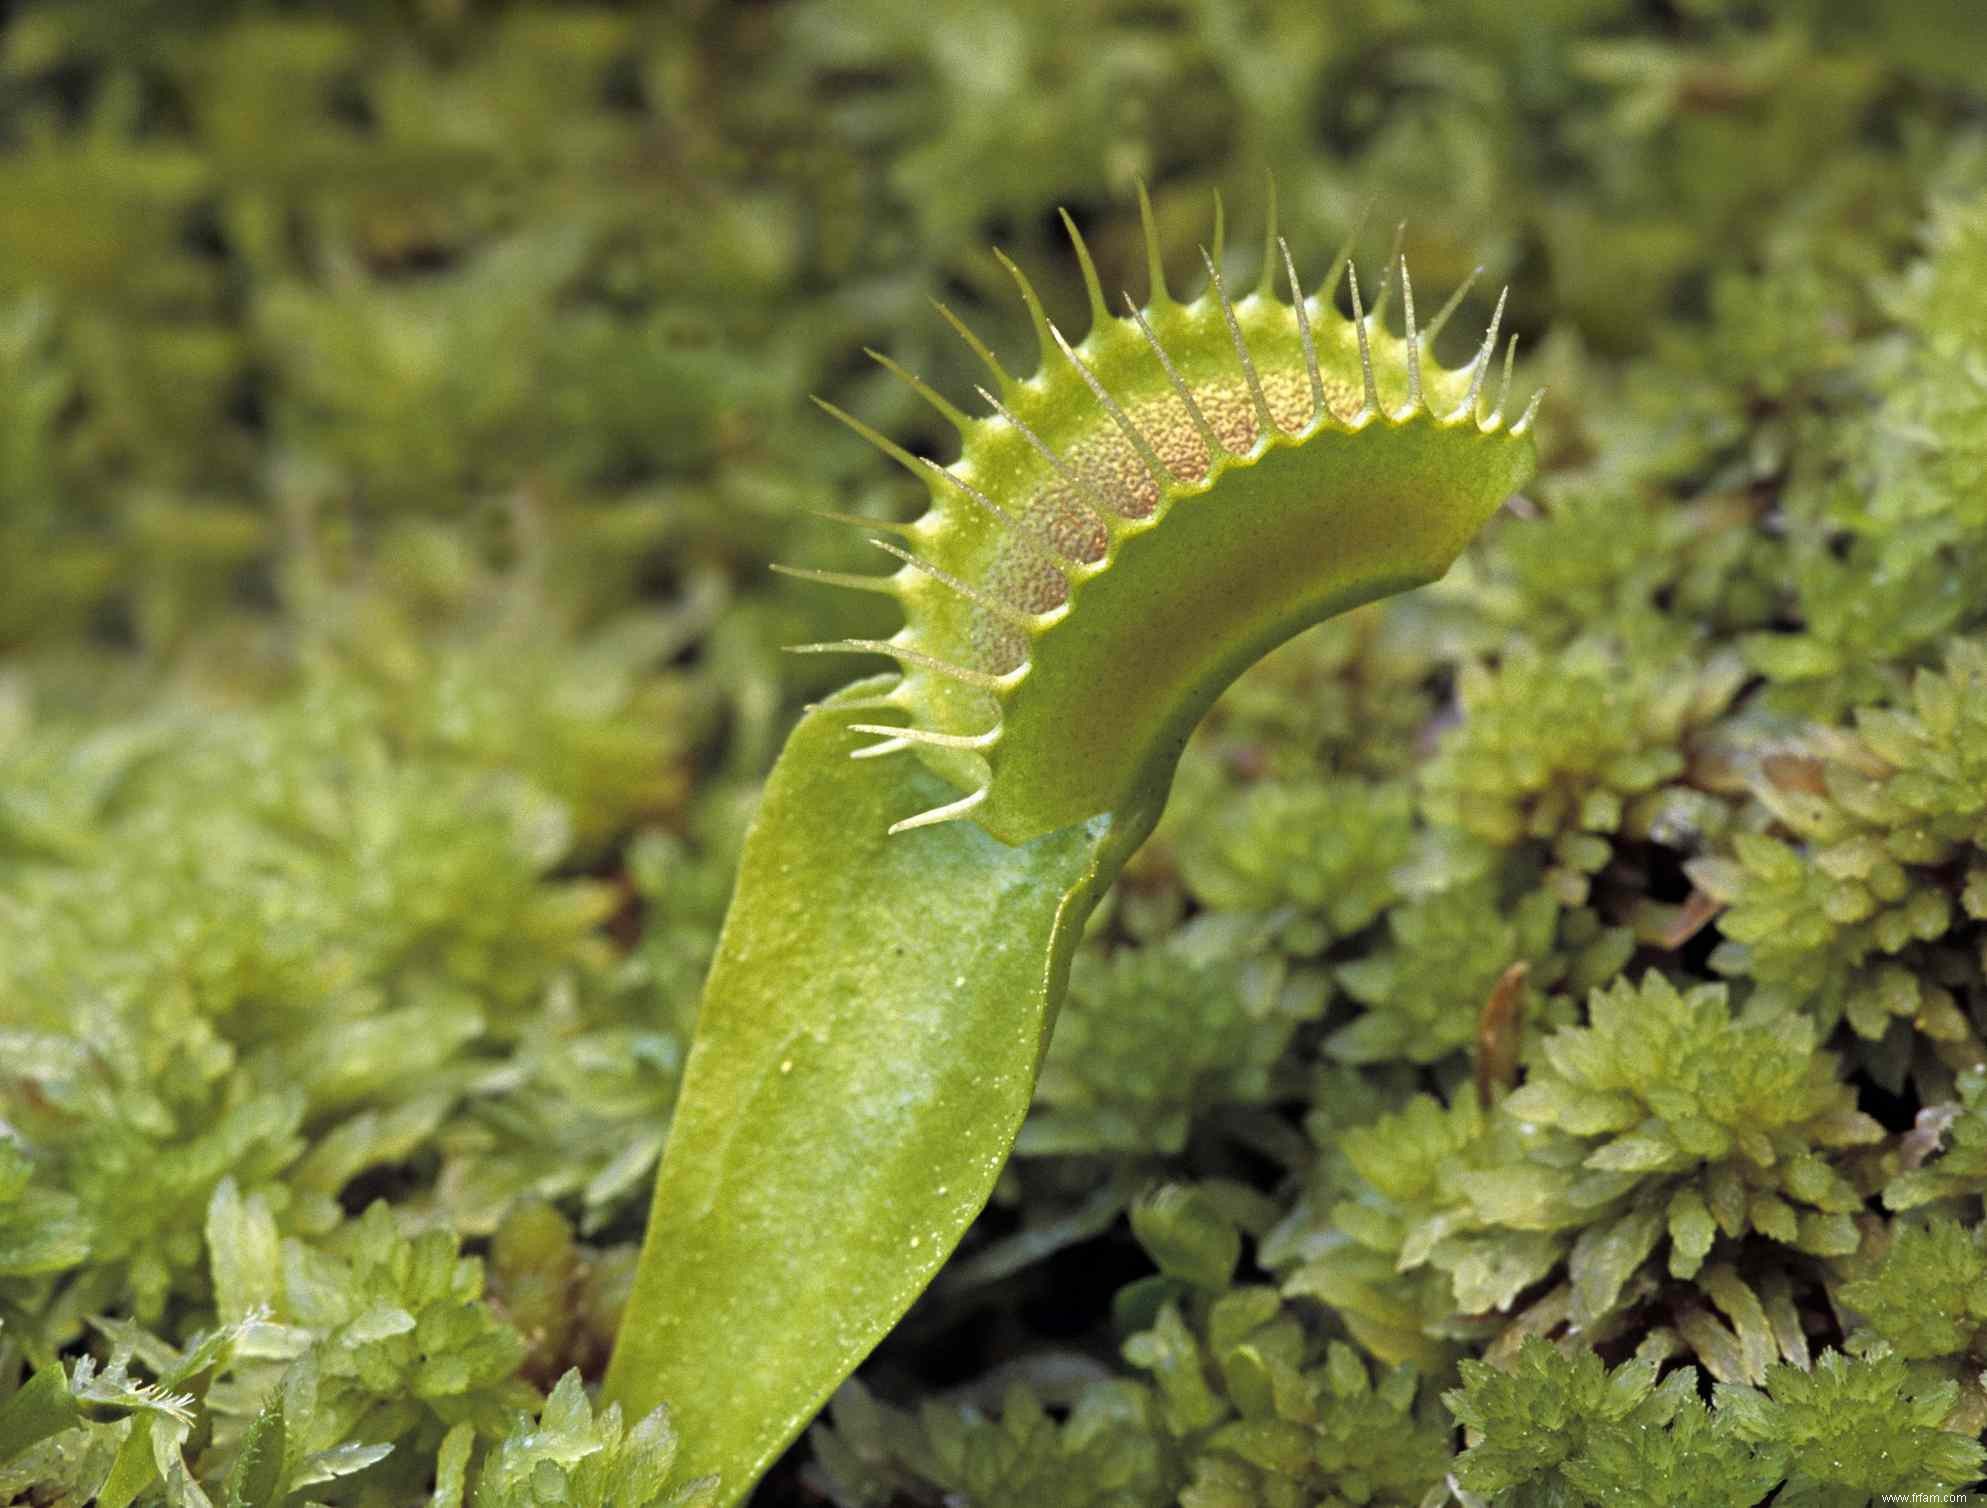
{"points": [[133, 1470], [1496, 1268], [452, 1467], [1734, 1296], [1637, 1154], [1692, 1230], [242, 1251], [1188, 1237], [865, 1054], [40, 1230], [1525, 1198], [1930, 1295], [41, 1407], [256, 1480], [1606, 1256]]}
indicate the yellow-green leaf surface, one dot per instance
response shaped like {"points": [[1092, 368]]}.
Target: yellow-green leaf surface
{"points": [[865, 1056]]}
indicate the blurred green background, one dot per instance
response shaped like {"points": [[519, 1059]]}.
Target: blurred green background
{"points": [[435, 302]]}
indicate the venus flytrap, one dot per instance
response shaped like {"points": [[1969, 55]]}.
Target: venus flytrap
{"points": [[1129, 528]]}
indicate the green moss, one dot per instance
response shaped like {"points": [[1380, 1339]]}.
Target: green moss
{"points": [[1672, 1093], [1562, 1428], [1103, 1456], [1849, 1428], [1424, 991], [1152, 1036], [568, 1456], [1240, 1410], [1562, 751], [1867, 877], [1326, 851], [1930, 1295]]}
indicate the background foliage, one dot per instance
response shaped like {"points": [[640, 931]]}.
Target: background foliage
{"points": [[1538, 1061]]}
